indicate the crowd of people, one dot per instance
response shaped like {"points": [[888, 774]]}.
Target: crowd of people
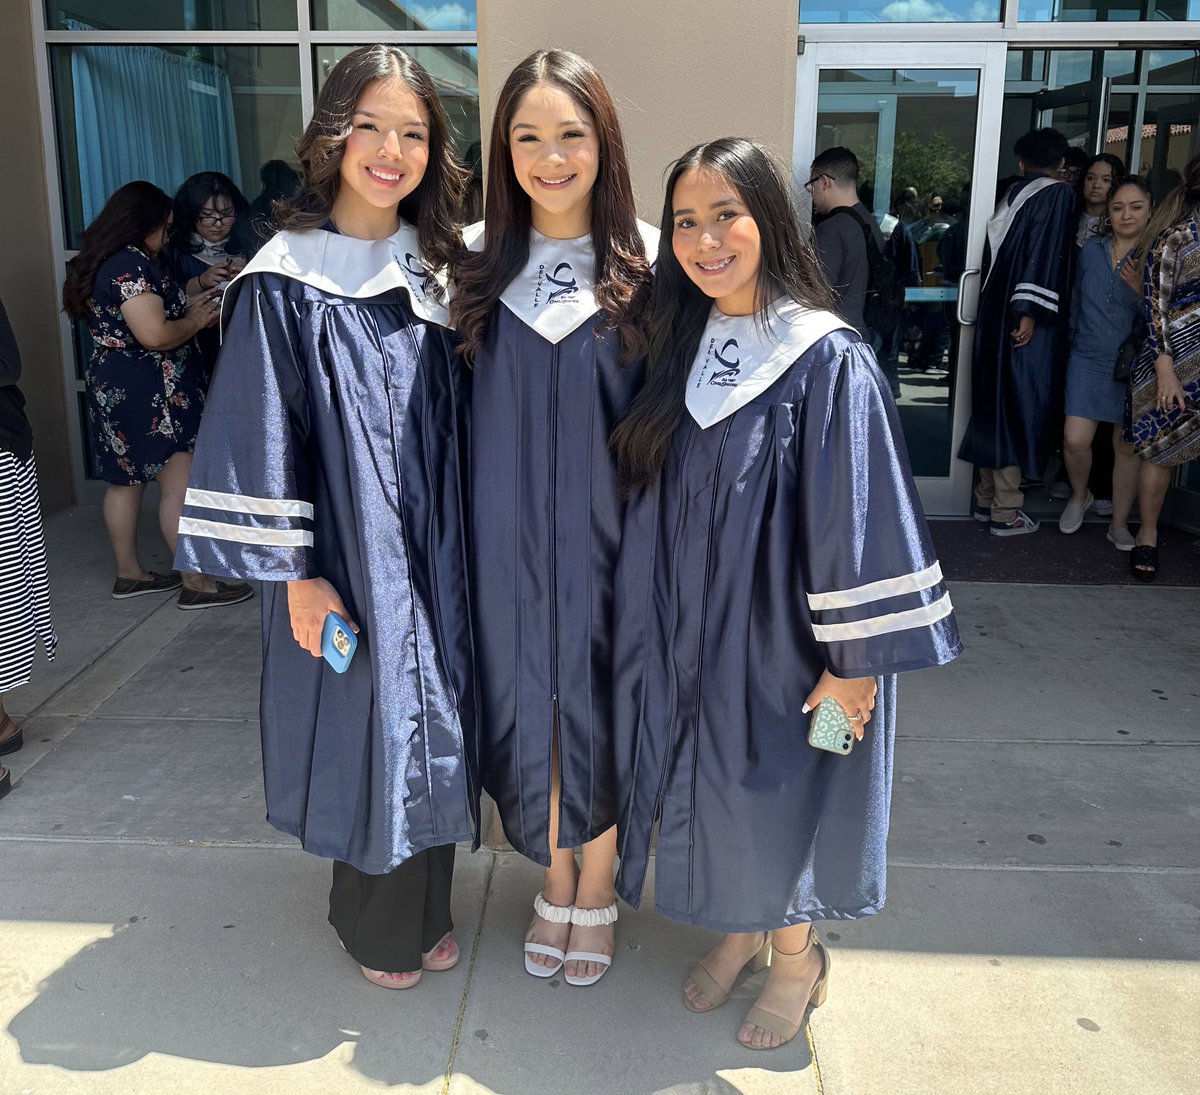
{"points": [[540, 486]]}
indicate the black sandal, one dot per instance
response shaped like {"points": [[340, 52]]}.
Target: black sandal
{"points": [[5, 782], [1143, 562]]}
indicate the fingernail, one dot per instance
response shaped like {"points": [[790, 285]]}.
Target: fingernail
{"points": [[805, 709]]}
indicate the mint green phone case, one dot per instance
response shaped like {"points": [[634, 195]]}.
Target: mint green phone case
{"points": [[830, 728]]}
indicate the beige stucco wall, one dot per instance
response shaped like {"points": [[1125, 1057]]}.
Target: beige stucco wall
{"points": [[28, 286], [681, 71]]}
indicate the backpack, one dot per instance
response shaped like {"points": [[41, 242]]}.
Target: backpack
{"points": [[885, 283]]}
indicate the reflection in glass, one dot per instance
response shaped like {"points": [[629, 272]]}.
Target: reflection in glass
{"points": [[170, 15], [913, 132], [900, 11], [1106, 11], [163, 113], [367, 15]]}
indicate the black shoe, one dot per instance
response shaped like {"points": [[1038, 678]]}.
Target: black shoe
{"points": [[136, 587], [5, 782], [982, 513], [226, 593]]}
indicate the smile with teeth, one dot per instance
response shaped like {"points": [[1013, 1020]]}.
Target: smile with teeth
{"points": [[384, 175], [554, 184], [715, 266]]}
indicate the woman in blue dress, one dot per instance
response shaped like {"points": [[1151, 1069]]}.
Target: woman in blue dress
{"points": [[549, 312], [774, 554], [145, 388], [328, 467], [1104, 311]]}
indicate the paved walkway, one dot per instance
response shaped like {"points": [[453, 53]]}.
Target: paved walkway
{"points": [[1041, 933]]}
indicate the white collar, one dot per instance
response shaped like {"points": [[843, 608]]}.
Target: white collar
{"points": [[554, 294], [737, 360], [350, 267], [1002, 220]]}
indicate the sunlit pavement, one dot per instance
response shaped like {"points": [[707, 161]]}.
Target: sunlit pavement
{"points": [[1042, 932]]}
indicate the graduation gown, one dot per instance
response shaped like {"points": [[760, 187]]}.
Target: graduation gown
{"points": [[330, 448], [548, 387], [1017, 393], [785, 536]]}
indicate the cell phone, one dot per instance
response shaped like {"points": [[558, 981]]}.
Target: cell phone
{"points": [[830, 728], [338, 643]]}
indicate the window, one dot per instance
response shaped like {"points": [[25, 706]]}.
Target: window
{"points": [[170, 15], [370, 15], [1106, 11], [900, 11]]}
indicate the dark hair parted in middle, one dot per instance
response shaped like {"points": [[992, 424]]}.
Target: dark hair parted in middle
{"points": [[189, 201], [432, 207], [679, 309], [622, 272]]}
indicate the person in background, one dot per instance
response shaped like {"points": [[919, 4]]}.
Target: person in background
{"points": [[24, 583], [1016, 373], [1074, 163], [841, 241], [145, 387], [1162, 414], [280, 181], [1104, 311], [208, 244]]}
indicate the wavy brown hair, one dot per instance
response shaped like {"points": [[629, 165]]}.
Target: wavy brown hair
{"points": [[432, 207], [622, 273], [679, 309], [1180, 204], [133, 212]]}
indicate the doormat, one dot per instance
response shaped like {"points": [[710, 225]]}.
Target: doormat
{"points": [[969, 553]]}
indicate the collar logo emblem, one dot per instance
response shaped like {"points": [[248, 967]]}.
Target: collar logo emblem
{"points": [[727, 355]]}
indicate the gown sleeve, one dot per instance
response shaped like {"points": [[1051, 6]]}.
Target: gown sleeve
{"points": [[248, 511], [1040, 268], [875, 594]]}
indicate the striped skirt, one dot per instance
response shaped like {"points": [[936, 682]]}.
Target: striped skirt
{"points": [[24, 584]]}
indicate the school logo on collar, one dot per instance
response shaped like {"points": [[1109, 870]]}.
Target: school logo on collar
{"points": [[726, 355], [556, 285], [418, 275]]}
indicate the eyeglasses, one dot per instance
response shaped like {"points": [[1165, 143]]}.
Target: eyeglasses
{"points": [[814, 180], [217, 218]]}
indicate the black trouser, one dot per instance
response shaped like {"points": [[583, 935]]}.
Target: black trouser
{"points": [[387, 921]]}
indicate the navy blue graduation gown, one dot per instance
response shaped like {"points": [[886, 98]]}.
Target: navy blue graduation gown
{"points": [[330, 448], [780, 540], [1017, 393], [546, 523]]}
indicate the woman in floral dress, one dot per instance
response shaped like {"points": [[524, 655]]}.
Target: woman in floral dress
{"points": [[144, 382]]}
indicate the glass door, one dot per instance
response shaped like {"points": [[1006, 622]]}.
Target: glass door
{"points": [[924, 123]]}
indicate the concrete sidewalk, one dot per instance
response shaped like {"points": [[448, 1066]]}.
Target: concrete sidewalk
{"points": [[1041, 934]]}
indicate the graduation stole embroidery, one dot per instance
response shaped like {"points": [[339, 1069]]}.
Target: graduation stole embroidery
{"points": [[554, 294], [350, 267], [738, 360]]}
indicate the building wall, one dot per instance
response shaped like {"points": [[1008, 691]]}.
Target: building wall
{"points": [[28, 286], [680, 73]]}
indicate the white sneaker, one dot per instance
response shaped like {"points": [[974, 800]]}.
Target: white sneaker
{"points": [[1021, 524], [1072, 517]]}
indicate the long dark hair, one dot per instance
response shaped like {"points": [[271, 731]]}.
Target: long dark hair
{"points": [[133, 212], [189, 201], [432, 207], [1180, 204], [1118, 171], [679, 310], [622, 273]]}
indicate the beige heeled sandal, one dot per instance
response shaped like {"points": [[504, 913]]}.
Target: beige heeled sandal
{"points": [[714, 993], [777, 1024]]}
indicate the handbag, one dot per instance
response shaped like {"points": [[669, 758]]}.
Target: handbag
{"points": [[1128, 351]]}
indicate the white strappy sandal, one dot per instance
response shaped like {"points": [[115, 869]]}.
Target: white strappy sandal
{"points": [[552, 914], [590, 918]]}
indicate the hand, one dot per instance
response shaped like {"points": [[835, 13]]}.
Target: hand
{"points": [[1170, 391], [204, 309], [1133, 277], [309, 602], [215, 275], [855, 694], [1022, 332]]}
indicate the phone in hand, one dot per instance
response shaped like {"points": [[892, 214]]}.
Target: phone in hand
{"points": [[338, 642], [830, 728]]}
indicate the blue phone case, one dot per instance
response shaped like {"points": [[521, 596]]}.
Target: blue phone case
{"points": [[338, 642], [830, 728]]}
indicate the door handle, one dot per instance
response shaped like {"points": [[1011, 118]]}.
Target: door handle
{"points": [[966, 277]]}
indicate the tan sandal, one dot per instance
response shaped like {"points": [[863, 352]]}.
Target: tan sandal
{"points": [[443, 955], [777, 1024], [714, 993]]}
